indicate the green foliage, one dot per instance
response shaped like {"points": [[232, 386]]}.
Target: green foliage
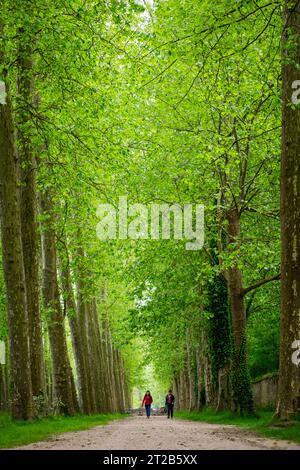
{"points": [[15, 433], [262, 423], [263, 331], [163, 104]]}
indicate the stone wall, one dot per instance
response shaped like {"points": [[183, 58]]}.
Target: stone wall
{"points": [[265, 392]]}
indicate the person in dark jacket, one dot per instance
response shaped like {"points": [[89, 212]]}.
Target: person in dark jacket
{"points": [[147, 400], [170, 400]]}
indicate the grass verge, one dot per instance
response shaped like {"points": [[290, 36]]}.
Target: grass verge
{"points": [[261, 424], [16, 433]]}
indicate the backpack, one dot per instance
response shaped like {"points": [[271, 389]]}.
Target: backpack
{"points": [[170, 399]]}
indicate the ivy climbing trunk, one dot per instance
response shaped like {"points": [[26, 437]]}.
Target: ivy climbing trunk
{"points": [[219, 331], [242, 393], [289, 372]]}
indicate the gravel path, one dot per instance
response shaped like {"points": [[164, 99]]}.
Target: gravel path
{"points": [[159, 433]]}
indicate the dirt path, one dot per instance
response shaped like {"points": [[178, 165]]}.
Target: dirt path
{"points": [[159, 433]]}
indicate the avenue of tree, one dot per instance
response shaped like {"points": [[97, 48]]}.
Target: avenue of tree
{"points": [[167, 102]]}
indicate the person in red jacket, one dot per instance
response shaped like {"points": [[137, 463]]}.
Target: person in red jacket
{"points": [[147, 400]]}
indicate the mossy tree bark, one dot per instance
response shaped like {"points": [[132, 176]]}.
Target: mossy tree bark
{"points": [[30, 245], [289, 373], [21, 390], [62, 372]]}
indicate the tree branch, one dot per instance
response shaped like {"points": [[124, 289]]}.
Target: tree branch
{"points": [[260, 283]]}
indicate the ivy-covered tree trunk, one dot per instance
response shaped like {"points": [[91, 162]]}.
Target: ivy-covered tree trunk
{"points": [[29, 210], [289, 372], [241, 385], [220, 341], [219, 333], [12, 254], [62, 372]]}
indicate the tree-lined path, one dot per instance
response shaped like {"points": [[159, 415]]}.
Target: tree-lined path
{"points": [[119, 120], [137, 433]]}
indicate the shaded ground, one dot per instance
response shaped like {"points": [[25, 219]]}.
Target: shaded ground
{"points": [[159, 433]]}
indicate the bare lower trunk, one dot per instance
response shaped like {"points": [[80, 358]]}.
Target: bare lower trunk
{"points": [[208, 383], [101, 392], [112, 381], [105, 365], [199, 367], [62, 373], [71, 312], [82, 309], [190, 374]]}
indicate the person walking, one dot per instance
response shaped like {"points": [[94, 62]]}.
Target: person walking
{"points": [[147, 400], [170, 400]]}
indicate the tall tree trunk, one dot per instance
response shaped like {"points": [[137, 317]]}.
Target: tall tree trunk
{"points": [[117, 379], [77, 343], [101, 394], [122, 382], [112, 381], [107, 350], [28, 211], [199, 378], [289, 372], [48, 374], [22, 405], [206, 360], [190, 372], [105, 365], [183, 391], [83, 326], [94, 360], [62, 372], [242, 393]]}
